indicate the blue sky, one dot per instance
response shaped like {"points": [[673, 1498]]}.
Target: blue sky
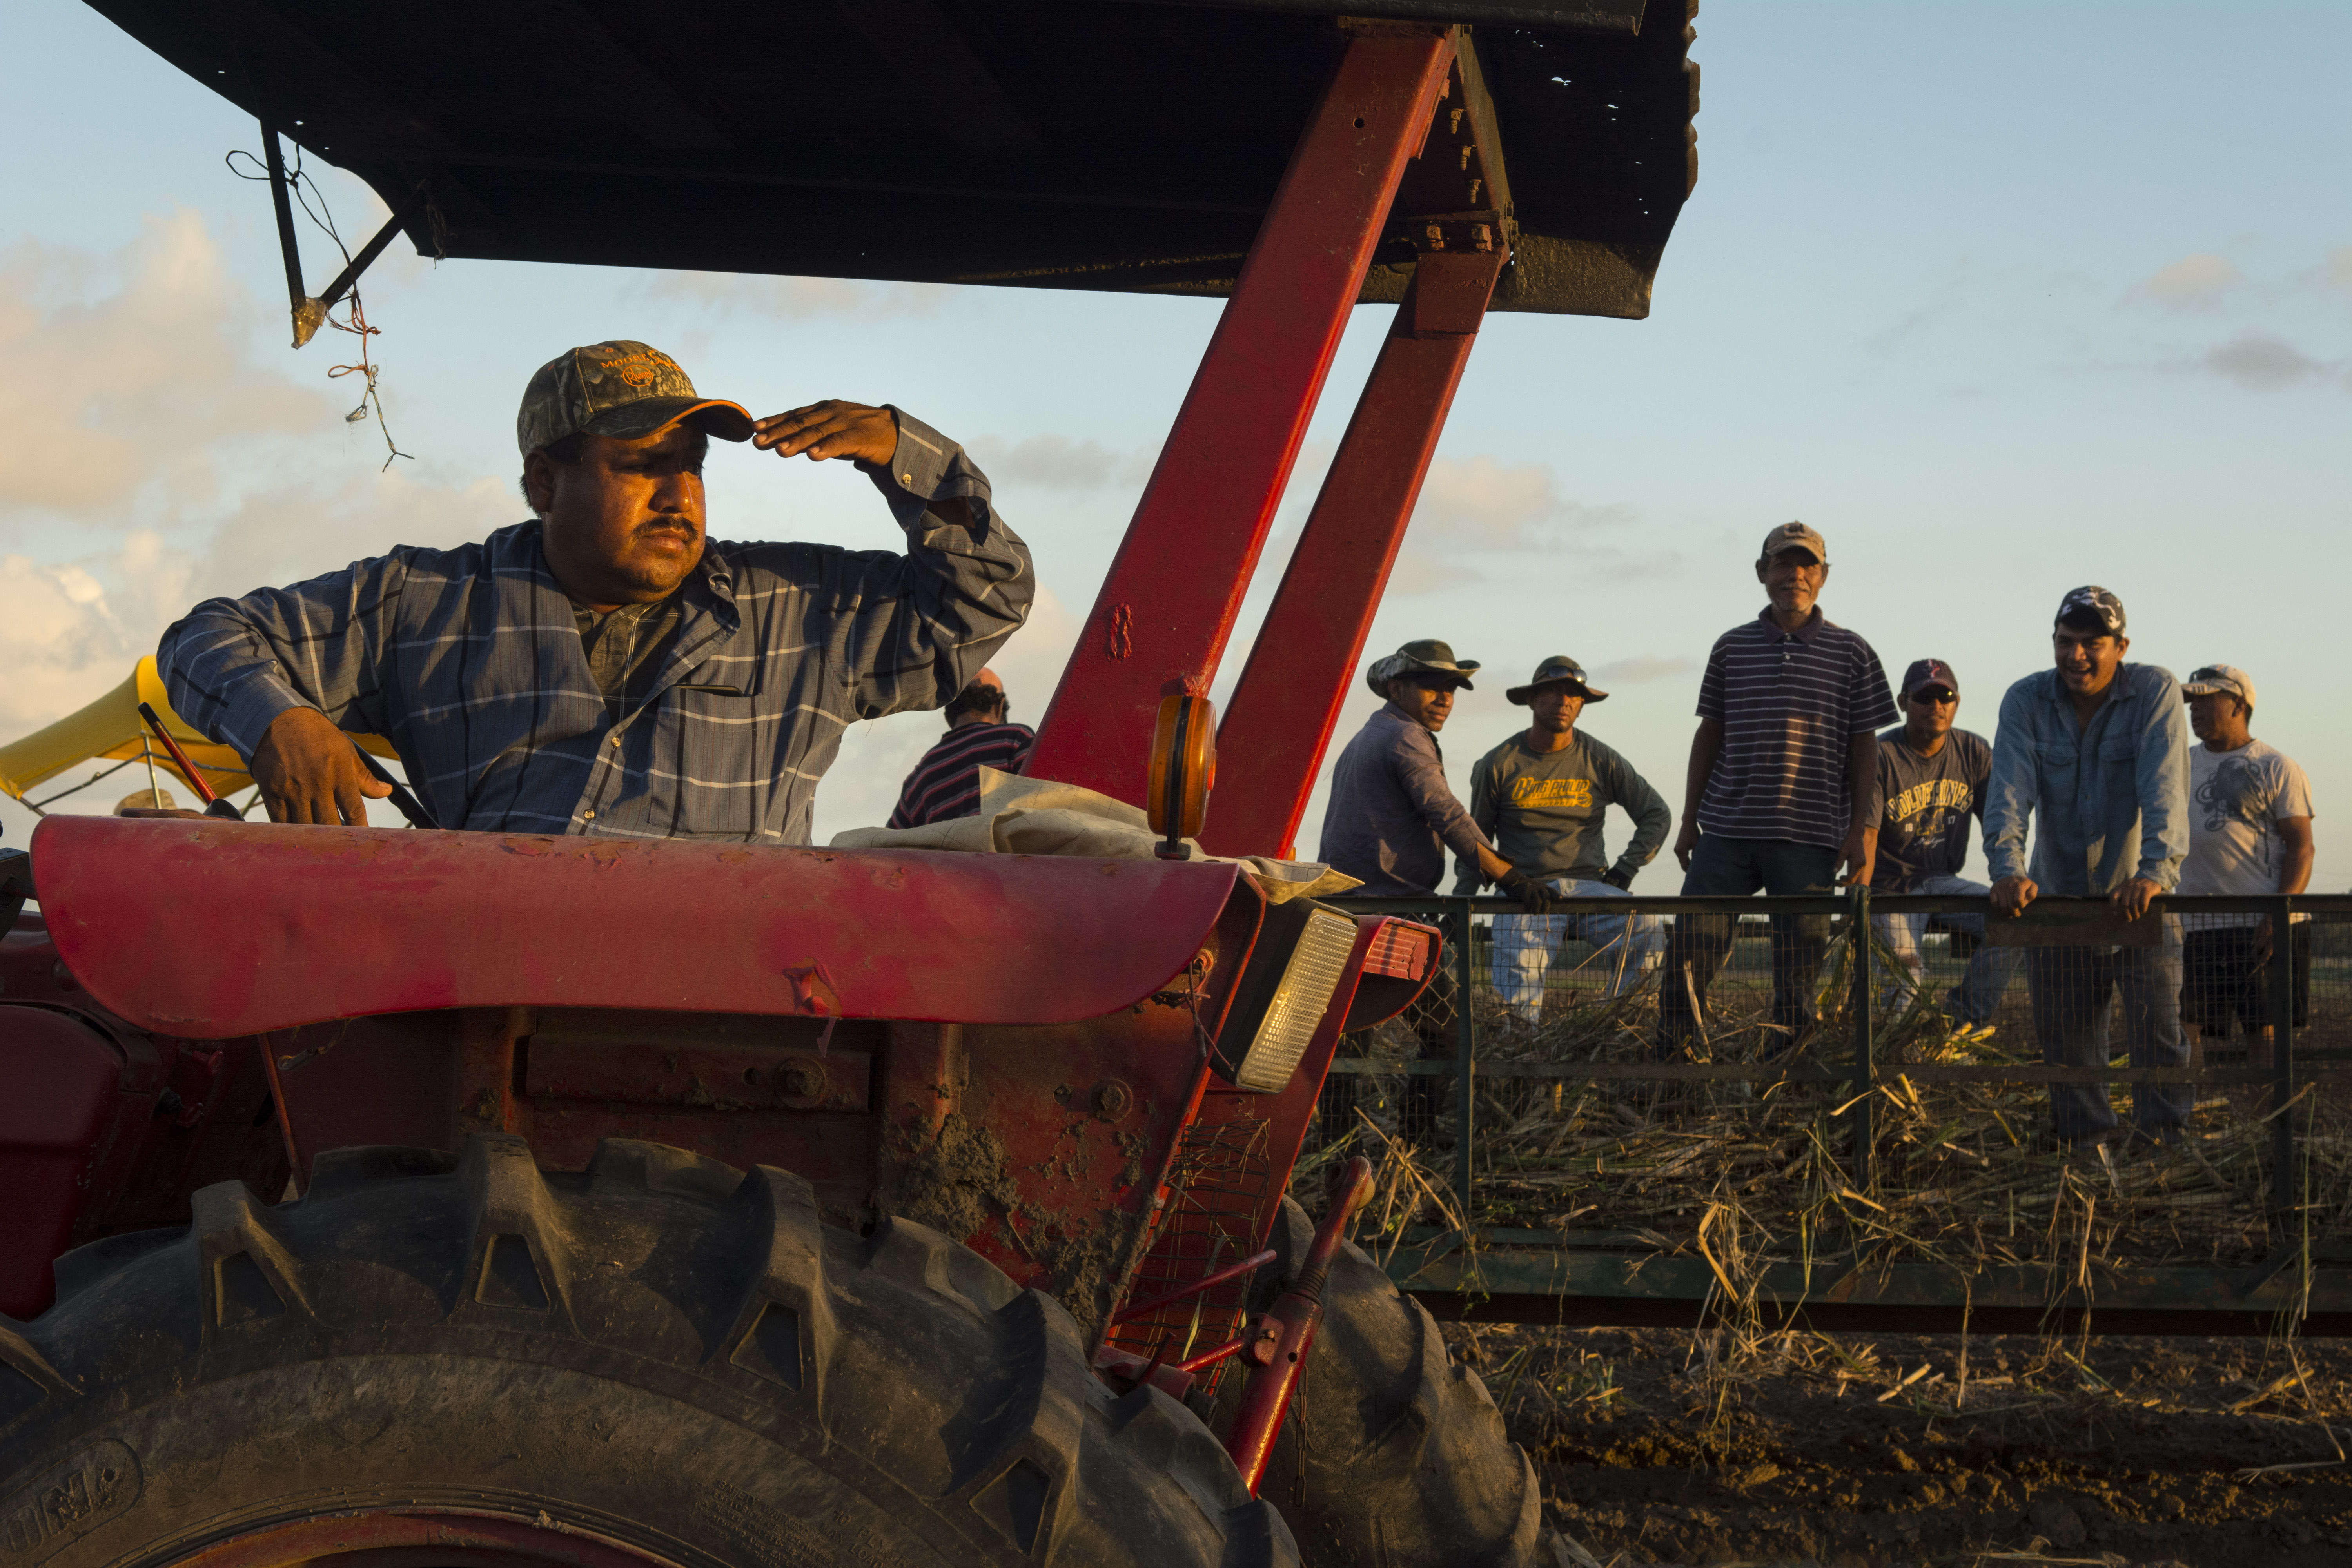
{"points": [[2002, 298]]}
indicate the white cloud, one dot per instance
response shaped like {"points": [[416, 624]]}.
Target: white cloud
{"points": [[2263, 362], [106, 394], [1057, 462], [2334, 270], [1479, 507], [148, 460], [2199, 281]]}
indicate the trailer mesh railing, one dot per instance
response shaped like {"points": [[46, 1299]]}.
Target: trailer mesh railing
{"points": [[1640, 1108]]}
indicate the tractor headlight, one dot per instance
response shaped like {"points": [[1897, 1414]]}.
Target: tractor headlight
{"points": [[1301, 957]]}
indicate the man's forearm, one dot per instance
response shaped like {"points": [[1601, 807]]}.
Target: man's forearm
{"points": [[965, 586], [221, 677], [2302, 853], [1860, 778], [1706, 746]]}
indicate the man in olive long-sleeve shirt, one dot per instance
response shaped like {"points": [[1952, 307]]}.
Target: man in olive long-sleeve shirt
{"points": [[1540, 797], [2098, 750]]}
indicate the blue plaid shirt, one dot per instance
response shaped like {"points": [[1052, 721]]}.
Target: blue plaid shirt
{"points": [[470, 662]]}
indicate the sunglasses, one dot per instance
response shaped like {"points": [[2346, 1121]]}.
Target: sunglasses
{"points": [[1938, 695]]}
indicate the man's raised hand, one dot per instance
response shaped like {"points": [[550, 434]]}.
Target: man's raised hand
{"points": [[309, 771], [830, 429]]}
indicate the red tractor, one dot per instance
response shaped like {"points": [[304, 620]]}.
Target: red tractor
{"points": [[913, 1208]]}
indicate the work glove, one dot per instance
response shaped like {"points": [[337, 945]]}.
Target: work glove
{"points": [[1619, 879], [1534, 896]]}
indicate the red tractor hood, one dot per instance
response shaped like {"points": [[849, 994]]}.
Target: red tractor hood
{"points": [[214, 930]]}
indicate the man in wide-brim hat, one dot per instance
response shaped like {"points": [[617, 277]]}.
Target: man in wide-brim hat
{"points": [[1541, 796], [1391, 817]]}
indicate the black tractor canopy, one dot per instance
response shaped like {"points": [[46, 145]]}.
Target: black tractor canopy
{"points": [[1055, 143]]}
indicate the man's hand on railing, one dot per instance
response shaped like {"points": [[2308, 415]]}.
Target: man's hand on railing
{"points": [[2012, 894], [2132, 898], [1535, 896]]}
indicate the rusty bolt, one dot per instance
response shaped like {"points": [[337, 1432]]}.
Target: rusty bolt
{"points": [[1113, 1099], [801, 1080]]}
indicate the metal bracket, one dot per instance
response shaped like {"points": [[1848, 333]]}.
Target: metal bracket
{"points": [[309, 311]]}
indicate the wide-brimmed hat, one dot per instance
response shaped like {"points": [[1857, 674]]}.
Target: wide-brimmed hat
{"points": [[1426, 656], [1558, 668]]}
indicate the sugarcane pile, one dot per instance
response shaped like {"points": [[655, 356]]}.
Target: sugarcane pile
{"points": [[1964, 1174]]}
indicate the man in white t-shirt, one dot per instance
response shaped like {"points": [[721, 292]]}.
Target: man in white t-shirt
{"points": [[2249, 833]]}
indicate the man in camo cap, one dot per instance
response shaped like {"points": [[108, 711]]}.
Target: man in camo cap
{"points": [[604, 667]]}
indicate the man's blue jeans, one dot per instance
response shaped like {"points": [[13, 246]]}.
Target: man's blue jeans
{"points": [[2073, 988], [1525, 944], [1990, 969], [1722, 867]]}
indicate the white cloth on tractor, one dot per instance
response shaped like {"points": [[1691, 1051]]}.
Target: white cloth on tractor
{"points": [[1038, 816]]}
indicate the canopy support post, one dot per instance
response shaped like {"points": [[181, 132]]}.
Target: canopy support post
{"points": [[1160, 623], [1302, 665]]}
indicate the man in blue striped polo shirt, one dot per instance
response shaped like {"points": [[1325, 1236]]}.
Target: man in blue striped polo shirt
{"points": [[604, 667], [1786, 749]]}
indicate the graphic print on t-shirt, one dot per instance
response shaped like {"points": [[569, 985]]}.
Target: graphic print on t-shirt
{"points": [[1531, 794], [1925, 810], [2237, 791]]}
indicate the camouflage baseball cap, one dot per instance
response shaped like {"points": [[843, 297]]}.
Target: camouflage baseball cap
{"points": [[621, 389]]}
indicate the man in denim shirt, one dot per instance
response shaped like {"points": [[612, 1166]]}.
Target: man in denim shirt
{"points": [[2099, 749]]}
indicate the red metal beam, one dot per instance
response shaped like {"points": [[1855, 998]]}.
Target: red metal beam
{"points": [[1303, 664], [208, 930], [1161, 621]]}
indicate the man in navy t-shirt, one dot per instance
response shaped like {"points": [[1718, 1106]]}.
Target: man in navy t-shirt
{"points": [[1931, 781]]}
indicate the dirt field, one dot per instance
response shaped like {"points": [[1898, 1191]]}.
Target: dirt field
{"points": [[2207, 1453]]}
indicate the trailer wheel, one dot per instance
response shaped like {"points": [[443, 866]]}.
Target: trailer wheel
{"points": [[465, 1363], [1394, 1455]]}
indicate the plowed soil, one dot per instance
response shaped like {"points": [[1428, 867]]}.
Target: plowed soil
{"points": [[1844, 1449]]}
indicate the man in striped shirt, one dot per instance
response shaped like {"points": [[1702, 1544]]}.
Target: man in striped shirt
{"points": [[1787, 751], [946, 783], [604, 669]]}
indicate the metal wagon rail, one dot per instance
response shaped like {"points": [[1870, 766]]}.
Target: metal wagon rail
{"points": [[1859, 1069]]}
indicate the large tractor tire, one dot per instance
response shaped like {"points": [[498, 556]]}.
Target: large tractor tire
{"points": [[429, 1363], [1394, 1456]]}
